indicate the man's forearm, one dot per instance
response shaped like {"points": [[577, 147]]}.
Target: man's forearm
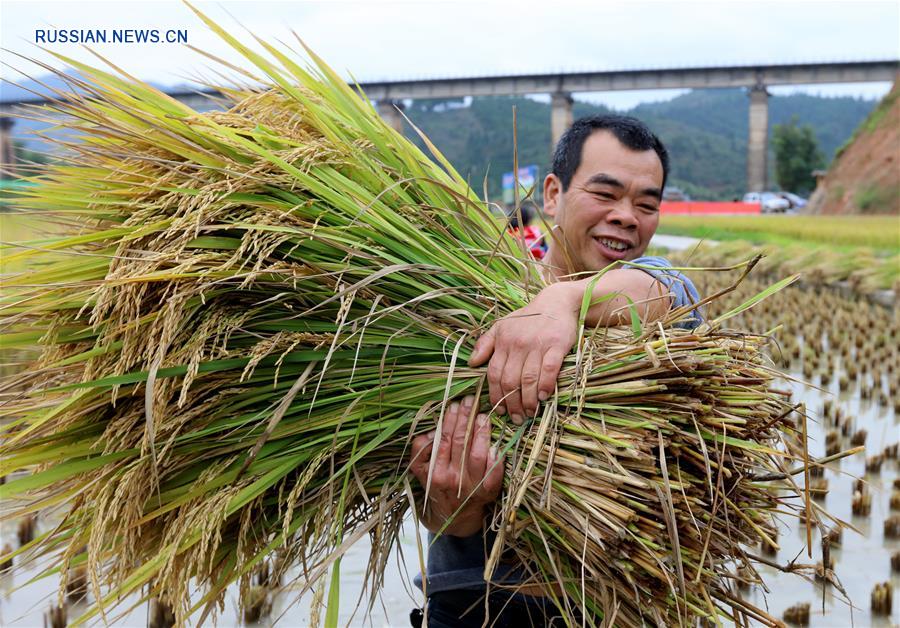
{"points": [[613, 296]]}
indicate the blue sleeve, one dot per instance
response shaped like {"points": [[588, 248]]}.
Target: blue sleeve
{"points": [[681, 287]]}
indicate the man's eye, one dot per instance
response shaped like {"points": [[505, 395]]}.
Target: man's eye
{"points": [[605, 195], [649, 208]]}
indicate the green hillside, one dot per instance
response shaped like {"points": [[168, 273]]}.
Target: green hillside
{"points": [[705, 131]]}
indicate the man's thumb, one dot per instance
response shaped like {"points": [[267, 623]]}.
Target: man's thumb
{"points": [[483, 349]]}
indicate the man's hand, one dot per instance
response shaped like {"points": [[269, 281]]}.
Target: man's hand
{"points": [[466, 476], [526, 351], [526, 348]]}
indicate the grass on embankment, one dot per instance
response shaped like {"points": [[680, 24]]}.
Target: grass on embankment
{"points": [[880, 233]]}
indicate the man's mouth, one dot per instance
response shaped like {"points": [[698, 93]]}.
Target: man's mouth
{"points": [[613, 244], [613, 249]]}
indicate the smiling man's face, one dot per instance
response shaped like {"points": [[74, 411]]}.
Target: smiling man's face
{"points": [[611, 209]]}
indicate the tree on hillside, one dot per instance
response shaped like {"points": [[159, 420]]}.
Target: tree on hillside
{"points": [[797, 154]]}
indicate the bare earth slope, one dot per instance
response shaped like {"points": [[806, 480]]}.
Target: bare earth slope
{"points": [[864, 177]]}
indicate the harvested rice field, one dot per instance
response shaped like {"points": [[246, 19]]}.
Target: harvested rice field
{"points": [[843, 357]]}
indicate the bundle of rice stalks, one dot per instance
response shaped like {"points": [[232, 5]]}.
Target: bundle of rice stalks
{"points": [[261, 307]]}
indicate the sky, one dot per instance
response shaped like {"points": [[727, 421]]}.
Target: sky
{"points": [[379, 40]]}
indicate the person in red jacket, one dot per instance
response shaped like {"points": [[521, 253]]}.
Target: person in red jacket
{"points": [[534, 239]]}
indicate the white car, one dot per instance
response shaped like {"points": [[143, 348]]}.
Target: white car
{"points": [[769, 201], [796, 202]]}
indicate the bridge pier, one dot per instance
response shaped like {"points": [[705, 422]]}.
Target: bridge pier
{"points": [[560, 115], [758, 139], [389, 110]]}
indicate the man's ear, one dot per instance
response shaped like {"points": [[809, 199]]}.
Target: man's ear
{"points": [[552, 194]]}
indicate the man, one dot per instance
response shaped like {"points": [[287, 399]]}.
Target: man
{"points": [[604, 191]]}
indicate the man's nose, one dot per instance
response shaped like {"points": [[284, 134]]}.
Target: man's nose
{"points": [[623, 215]]}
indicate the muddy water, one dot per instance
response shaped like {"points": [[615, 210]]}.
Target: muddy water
{"points": [[674, 242], [863, 559], [23, 603]]}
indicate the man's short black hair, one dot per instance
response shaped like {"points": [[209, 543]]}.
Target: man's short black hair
{"points": [[631, 132]]}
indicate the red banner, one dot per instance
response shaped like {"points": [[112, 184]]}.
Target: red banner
{"points": [[709, 207]]}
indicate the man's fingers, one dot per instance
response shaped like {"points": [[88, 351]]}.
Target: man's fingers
{"points": [[484, 347], [460, 430], [494, 373], [445, 447], [476, 463], [510, 385], [493, 481], [550, 367], [531, 373], [420, 456]]}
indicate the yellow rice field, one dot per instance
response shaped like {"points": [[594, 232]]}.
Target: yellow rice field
{"points": [[877, 232]]}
